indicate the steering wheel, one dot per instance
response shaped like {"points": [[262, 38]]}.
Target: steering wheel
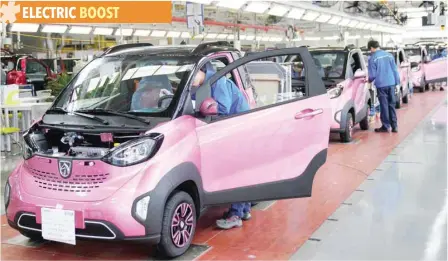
{"points": [[163, 98]]}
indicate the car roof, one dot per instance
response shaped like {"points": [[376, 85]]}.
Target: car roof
{"points": [[202, 49]]}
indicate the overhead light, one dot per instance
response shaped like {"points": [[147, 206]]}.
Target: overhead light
{"points": [[353, 23], [27, 28], [231, 37], [367, 26], [335, 20], [312, 38], [410, 9], [243, 37], [323, 18], [361, 25], [278, 10], [257, 7], [211, 36], [54, 28], [344, 22], [103, 31], [198, 36], [141, 32], [417, 15], [173, 34], [275, 39], [204, 2], [310, 16], [258, 38], [354, 36], [222, 36], [298, 39], [373, 27], [124, 32], [295, 13], [231, 4], [250, 37], [80, 30], [265, 38], [158, 33], [331, 37], [185, 35]]}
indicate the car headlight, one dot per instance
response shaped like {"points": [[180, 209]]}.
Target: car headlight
{"points": [[335, 92], [134, 151], [6, 195], [141, 208]]}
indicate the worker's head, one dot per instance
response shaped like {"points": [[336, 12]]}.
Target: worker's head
{"points": [[199, 78], [373, 45]]}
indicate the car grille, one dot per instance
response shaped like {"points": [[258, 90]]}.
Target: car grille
{"points": [[93, 229], [75, 183]]}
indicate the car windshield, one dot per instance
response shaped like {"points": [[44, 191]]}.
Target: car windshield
{"points": [[412, 52], [330, 64], [130, 83]]}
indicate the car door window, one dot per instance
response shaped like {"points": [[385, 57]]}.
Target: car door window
{"points": [[34, 67]]}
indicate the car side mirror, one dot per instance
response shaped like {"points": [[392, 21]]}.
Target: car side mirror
{"points": [[414, 64], [360, 74], [404, 64], [209, 107]]}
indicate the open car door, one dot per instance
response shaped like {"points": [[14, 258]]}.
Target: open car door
{"points": [[436, 70], [271, 151]]}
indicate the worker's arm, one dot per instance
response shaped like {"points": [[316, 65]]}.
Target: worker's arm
{"points": [[222, 96]]}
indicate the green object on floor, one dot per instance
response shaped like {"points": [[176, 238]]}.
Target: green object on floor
{"points": [[8, 130]]}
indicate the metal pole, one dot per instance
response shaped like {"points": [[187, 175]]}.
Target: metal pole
{"points": [[121, 34]]}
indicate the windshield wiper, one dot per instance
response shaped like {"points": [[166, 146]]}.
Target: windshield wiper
{"points": [[92, 117], [111, 112]]}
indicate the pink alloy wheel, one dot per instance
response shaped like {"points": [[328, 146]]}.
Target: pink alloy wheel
{"points": [[182, 224]]}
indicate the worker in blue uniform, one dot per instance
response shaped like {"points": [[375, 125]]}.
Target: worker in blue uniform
{"points": [[230, 101], [384, 72]]}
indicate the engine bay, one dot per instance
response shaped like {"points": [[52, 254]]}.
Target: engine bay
{"points": [[57, 143]]}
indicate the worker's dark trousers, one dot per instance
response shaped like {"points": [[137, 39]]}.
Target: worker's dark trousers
{"points": [[386, 97]]}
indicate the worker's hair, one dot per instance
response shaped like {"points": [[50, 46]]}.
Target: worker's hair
{"points": [[373, 44]]}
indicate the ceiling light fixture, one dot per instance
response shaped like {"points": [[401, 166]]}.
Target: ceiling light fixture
{"points": [[258, 38], [158, 33], [354, 36], [141, 32], [80, 30], [250, 37], [243, 37], [312, 38], [278, 10], [353, 23], [323, 18], [173, 34], [26, 28], [124, 32], [185, 35], [204, 2], [54, 28], [295, 13], [361, 25], [231, 4], [331, 37], [211, 36], [222, 36], [103, 31], [265, 38], [310, 16], [257, 7], [231, 37], [344, 22], [335, 20]]}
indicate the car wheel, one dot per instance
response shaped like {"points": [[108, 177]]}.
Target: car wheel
{"points": [[32, 235], [406, 98], [347, 135], [179, 225], [399, 100], [364, 123]]}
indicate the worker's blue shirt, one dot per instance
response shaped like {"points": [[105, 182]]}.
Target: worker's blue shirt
{"points": [[383, 70], [229, 97]]}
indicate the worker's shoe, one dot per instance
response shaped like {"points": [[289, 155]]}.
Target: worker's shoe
{"points": [[382, 129], [228, 223], [395, 130]]}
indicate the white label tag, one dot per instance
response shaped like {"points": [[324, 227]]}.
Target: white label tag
{"points": [[58, 225]]}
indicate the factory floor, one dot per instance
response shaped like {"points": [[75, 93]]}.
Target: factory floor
{"points": [[380, 197]]}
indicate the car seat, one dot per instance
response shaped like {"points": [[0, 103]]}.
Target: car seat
{"points": [[149, 91]]}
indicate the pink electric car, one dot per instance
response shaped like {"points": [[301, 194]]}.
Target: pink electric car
{"points": [[344, 73], [131, 151]]}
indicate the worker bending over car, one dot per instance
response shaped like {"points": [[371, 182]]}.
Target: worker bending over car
{"points": [[230, 101]]}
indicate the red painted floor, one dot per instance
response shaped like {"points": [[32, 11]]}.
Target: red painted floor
{"points": [[272, 234]]}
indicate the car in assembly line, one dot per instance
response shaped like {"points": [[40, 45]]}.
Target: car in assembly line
{"points": [[344, 73], [98, 166], [418, 58], [402, 92]]}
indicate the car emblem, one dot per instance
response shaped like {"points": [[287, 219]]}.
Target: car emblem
{"points": [[65, 168]]}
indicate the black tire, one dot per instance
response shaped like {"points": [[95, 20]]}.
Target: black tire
{"points": [[399, 100], [364, 124], [346, 136], [167, 247], [32, 235], [406, 99]]}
